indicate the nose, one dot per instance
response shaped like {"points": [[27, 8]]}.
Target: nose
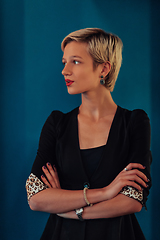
{"points": [[66, 70]]}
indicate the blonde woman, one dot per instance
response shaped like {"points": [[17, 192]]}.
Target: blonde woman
{"points": [[92, 169]]}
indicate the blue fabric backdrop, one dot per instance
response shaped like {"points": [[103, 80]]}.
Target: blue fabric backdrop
{"points": [[31, 86]]}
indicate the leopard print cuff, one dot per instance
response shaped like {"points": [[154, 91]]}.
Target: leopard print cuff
{"points": [[133, 193], [34, 185]]}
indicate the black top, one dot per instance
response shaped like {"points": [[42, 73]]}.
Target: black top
{"points": [[128, 141], [91, 158]]}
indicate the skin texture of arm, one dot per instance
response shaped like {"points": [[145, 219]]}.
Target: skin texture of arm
{"points": [[57, 200], [115, 207]]}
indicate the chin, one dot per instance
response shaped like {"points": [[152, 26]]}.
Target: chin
{"points": [[73, 92]]}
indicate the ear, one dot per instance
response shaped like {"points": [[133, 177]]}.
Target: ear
{"points": [[106, 68]]}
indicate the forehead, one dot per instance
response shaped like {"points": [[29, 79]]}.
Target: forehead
{"points": [[76, 49]]}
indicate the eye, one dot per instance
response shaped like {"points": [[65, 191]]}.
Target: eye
{"points": [[64, 63], [76, 62]]}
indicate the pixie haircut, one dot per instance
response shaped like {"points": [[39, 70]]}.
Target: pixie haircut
{"points": [[102, 47]]}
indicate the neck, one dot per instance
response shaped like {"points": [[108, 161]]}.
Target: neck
{"points": [[97, 105]]}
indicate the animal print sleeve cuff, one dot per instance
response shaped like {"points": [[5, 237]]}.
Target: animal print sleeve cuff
{"points": [[34, 185], [133, 193]]}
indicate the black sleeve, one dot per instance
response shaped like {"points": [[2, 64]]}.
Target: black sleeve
{"points": [[47, 144], [140, 147], [140, 137], [46, 153]]}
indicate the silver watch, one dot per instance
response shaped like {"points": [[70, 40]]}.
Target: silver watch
{"points": [[79, 213]]}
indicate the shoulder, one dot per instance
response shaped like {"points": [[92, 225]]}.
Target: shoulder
{"points": [[139, 114], [134, 115], [56, 117], [57, 121], [139, 117], [135, 119]]}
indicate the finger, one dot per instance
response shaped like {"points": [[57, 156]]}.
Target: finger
{"points": [[45, 181], [57, 178], [133, 184], [137, 179], [51, 170], [54, 174], [135, 165], [125, 169], [138, 173], [49, 177]]}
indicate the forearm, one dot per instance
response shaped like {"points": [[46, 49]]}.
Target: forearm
{"points": [[59, 200], [118, 206]]}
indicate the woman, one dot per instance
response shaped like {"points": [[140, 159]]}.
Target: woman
{"points": [[93, 163]]}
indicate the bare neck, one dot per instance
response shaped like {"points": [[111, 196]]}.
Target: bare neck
{"points": [[97, 105]]}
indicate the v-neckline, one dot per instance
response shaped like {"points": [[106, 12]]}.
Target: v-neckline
{"points": [[110, 130], [105, 146]]}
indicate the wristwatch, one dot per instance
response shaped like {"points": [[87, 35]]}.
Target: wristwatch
{"points": [[79, 213]]}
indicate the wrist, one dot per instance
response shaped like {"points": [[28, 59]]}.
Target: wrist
{"points": [[96, 195], [71, 215], [79, 213], [105, 193], [85, 196]]}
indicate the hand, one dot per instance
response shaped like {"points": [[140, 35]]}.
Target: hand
{"points": [[51, 179], [130, 176]]}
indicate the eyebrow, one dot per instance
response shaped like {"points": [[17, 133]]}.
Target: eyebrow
{"points": [[73, 57]]}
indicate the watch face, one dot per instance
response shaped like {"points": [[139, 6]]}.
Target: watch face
{"points": [[78, 211]]}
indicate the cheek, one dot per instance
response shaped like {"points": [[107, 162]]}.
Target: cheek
{"points": [[86, 74], [81, 76]]}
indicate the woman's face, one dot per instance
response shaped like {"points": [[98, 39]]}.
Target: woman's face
{"points": [[80, 77]]}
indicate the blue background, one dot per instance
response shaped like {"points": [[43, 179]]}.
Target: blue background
{"points": [[31, 86]]}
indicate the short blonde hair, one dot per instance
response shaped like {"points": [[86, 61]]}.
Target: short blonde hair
{"points": [[102, 47]]}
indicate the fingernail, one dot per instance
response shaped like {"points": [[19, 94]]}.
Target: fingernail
{"points": [[42, 176], [148, 179], [147, 185], [144, 166], [48, 164], [44, 167]]}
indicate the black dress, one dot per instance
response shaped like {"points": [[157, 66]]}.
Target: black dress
{"points": [[128, 141]]}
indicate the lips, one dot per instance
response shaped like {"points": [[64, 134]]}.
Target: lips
{"points": [[68, 82]]}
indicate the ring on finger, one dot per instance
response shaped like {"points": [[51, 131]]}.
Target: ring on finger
{"points": [[126, 169]]}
